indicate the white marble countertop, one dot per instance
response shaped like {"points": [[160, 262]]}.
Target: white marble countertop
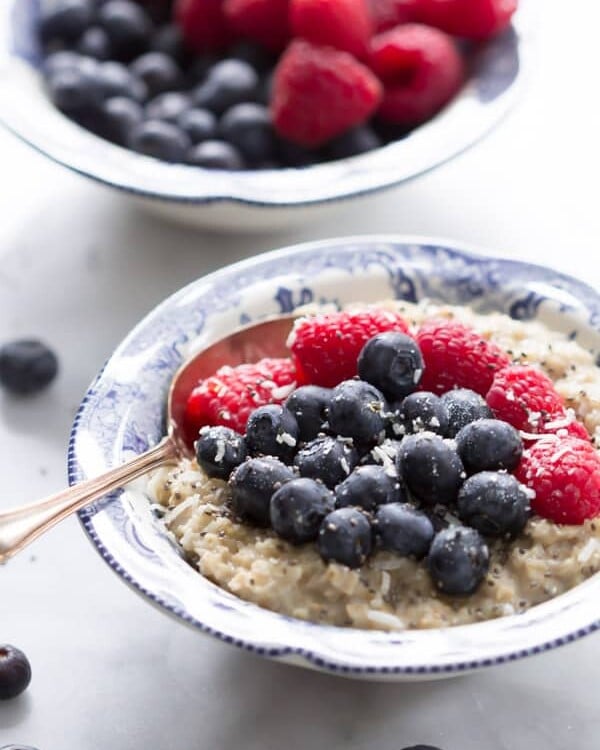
{"points": [[79, 266]]}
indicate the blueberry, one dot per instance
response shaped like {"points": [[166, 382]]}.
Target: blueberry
{"points": [[345, 537], [15, 672], [254, 54], [368, 487], [199, 124], [430, 468], [489, 444], [298, 508], [464, 406], [73, 91], [253, 484], [116, 79], [64, 60], [326, 458], [393, 363], [272, 430], [248, 126], [219, 450], [458, 560], [418, 412], [294, 155], [309, 405], [158, 71], [227, 83], [168, 39], [403, 529], [162, 140], [128, 27], [357, 410], [118, 117], [64, 20], [215, 155], [493, 503], [168, 106], [27, 366], [356, 141], [94, 42]]}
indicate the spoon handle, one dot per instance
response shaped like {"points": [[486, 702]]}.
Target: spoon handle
{"points": [[20, 526]]}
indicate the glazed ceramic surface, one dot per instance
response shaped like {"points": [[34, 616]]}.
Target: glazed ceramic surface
{"points": [[123, 414]]}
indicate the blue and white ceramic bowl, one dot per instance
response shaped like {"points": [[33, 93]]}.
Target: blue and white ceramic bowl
{"points": [[123, 414], [258, 199]]}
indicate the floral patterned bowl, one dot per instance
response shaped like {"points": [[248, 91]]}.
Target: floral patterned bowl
{"points": [[123, 414]]}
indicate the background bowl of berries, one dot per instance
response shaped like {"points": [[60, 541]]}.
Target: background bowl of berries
{"points": [[405, 485], [213, 110]]}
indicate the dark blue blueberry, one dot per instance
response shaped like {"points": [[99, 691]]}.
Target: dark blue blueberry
{"points": [[118, 117], [227, 83], [116, 79], [168, 106], [199, 124], [128, 27], [73, 91], [430, 468], [169, 40], [393, 363], [158, 71], [403, 529], [368, 487], [219, 450], [253, 54], [215, 155], [458, 560], [494, 503], [94, 42], [418, 412], [326, 458], [298, 509], [15, 672], [309, 405], [64, 20], [356, 141], [66, 60], [345, 537], [357, 410], [464, 406], [159, 139], [294, 155], [253, 484], [27, 366], [489, 444], [272, 430], [248, 126]]}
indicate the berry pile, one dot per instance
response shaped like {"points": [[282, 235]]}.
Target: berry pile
{"points": [[255, 84], [360, 456]]}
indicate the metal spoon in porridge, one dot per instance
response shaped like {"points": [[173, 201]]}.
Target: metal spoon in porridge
{"points": [[20, 526]]}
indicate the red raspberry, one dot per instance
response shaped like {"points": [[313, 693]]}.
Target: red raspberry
{"points": [[564, 473], [320, 92], [564, 425], [421, 70], [203, 24], [227, 397], [472, 19], [263, 21], [326, 347], [457, 357], [343, 24], [385, 14]]}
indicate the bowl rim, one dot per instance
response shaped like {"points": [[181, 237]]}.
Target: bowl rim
{"points": [[313, 657], [464, 122]]}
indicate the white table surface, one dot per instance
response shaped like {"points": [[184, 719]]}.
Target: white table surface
{"points": [[79, 266]]}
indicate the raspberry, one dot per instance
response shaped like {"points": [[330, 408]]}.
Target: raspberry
{"points": [[564, 473], [421, 70], [263, 21], [457, 357], [343, 24], [325, 348], [472, 19], [202, 24], [385, 14], [227, 397], [320, 92]]}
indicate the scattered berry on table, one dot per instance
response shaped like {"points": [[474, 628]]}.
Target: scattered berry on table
{"points": [[472, 19], [203, 24], [15, 672], [343, 24], [368, 487], [422, 411], [198, 124], [430, 468], [309, 404], [564, 473], [298, 508], [215, 154], [392, 362], [160, 139], [248, 127], [458, 560], [345, 537], [330, 459], [127, 26], [158, 71], [253, 483], [272, 430], [494, 503], [421, 747], [463, 406], [219, 450], [357, 410], [489, 445], [264, 21], [228, 82], [27, 366], [401, 528]]}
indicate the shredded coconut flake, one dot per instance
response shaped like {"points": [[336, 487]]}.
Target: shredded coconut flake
{"points": [[589, 549], [386, 620]]}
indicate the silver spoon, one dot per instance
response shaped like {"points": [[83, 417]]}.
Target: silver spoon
{"points": [[20, 526]]}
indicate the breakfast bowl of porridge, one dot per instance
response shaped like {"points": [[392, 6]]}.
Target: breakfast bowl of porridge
{"points": [[398, 479]]}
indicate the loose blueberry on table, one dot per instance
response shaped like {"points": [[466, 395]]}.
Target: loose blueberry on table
{"points": [[15, 672], [27, 366], [254, 84]]}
